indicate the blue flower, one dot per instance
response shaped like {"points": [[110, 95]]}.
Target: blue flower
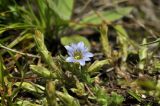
{"points": [[78, 53]]}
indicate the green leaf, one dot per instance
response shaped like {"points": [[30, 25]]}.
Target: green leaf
{"points": [[51, 94], [136, 96], [123, 40], [143, 54], [157, 64], [46, 56], [63, 8], [42, 71], [116, 99], [147, 84], [31, 87], [4, 28], [97, 65], [80, 89], [2, 76], [25, 103], [108, 16], [75, 39], [101, 96], [104, 40], [67, 99], [143, 50]]}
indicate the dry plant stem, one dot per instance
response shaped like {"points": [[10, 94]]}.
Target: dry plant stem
{"points": [[113, 4], [123, 74], [153, 33], [103, 18], [85, 6], [15, 51], [89, 89]]}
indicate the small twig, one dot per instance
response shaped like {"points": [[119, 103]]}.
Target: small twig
{"points": [[102, 18], [150, 31], [85, 6], [112, 4], [89, 89], [25, 54], [157, 57], [98, 54]]}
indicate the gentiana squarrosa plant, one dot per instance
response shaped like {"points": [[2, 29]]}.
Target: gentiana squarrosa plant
{"points": [[78, 53], [71, 73]]}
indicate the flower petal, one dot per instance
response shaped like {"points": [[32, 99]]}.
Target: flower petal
{"points": [[70, 50], [70, 59], [80, 45], [88, 54], [82, 62], [74, 46], [86, 59]]}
